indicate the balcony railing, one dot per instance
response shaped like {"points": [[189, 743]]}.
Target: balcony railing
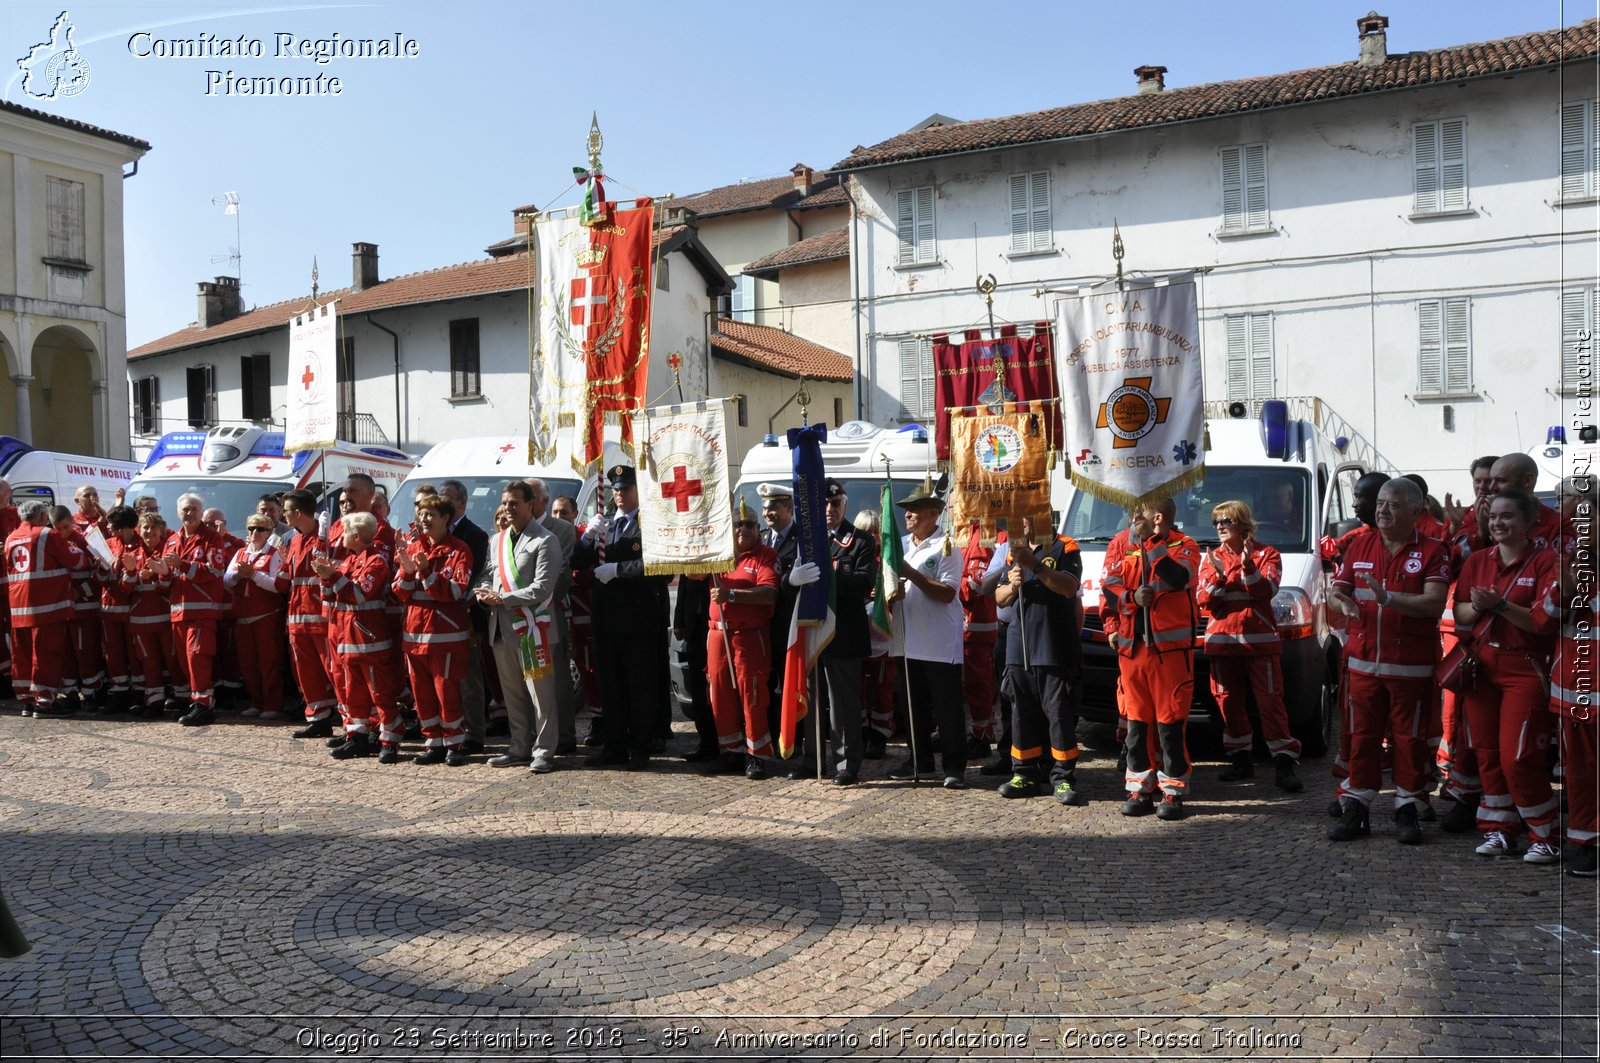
{"points": [[353, 428], [361, 428]]}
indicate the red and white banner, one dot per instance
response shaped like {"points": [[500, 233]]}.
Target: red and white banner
{"points": [[685, 515], [965, 379], [312, 417]]}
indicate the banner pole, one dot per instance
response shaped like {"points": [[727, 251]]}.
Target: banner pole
{"points": [[816, 711]]}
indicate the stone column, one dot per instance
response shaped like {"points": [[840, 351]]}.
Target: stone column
{"points": [[102, 418], [24, 407]]}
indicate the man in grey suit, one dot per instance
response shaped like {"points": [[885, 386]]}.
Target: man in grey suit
{"points": [[561, 656], [527, 582]]}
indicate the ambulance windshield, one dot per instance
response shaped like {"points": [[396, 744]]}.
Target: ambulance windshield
{"points": [[1279, 499]]}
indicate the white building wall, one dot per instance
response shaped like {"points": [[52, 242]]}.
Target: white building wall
{"points": [[1341, 270]]}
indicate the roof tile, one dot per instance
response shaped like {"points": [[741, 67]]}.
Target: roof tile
{"points": [[766, 193], [825, 247], [783, 352]]}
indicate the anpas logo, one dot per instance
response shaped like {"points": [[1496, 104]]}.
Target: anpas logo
{"points": [[55, 68]]}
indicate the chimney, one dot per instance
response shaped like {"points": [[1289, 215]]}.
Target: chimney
{"points": [[1374, 41], [802, 178], [1151, 78], [219, 301], [363, 266]]}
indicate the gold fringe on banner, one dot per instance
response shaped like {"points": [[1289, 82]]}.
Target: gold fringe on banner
{"points": [[1096, 489], [686, 568]]}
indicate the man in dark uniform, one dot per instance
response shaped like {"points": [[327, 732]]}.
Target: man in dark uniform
{"points": [[855, 571], [783, 535], [630, 632], [690, 612], [1043, 663]]}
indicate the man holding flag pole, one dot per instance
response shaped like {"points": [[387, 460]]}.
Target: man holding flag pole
{"points": [[812, 626]]}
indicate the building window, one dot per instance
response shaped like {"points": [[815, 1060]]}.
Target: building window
{"points": [[914, 226], [255, 381], [464, 358], [202, 395], [742, 404], [1580, 150], [1030, 212], [1249, 356], [1577, 338], [1439, 157], [64, 210], [663, 275], [147, 405], [1244, 188], [742, 302], [916, 379], [1444, 362]]}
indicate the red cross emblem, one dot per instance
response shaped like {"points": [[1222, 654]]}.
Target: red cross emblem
{"points": [[264, 466], [172, 465], [589, 297], [681, 489], [508, 448], [306, 378]]}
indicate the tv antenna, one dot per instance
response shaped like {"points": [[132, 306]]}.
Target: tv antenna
{"points": [[229, 202]]}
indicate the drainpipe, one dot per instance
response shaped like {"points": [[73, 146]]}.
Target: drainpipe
{"points": [[855, 285], [399, 425]]}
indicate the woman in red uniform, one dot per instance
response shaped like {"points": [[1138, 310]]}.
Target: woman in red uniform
{"points": [[1508, 708], [435, 570], [1573, 606], [150, 617], [259, 583]]}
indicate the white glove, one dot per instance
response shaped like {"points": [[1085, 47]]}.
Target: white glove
{"points": [[803, 573], [324, 523], [607, 572]]}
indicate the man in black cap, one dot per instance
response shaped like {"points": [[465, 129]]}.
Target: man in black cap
{"points": [[855, 571], [630, 632]]}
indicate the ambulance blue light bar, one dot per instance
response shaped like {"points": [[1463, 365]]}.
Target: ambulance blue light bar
{"points": [[176, 444], [1275, 428]]}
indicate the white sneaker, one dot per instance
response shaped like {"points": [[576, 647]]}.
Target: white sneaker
{"points": [[1495, 843], [1541, 853]]}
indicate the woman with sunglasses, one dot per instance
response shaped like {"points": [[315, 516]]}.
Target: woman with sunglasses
{"points": [[1237, 581], [259, 586]]}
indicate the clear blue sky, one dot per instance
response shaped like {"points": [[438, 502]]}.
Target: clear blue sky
{"points": [[427, 156]]}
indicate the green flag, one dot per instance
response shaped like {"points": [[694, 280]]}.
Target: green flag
{"points": [[889, 565]]}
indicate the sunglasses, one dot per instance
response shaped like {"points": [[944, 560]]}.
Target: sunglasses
{"points": [[1222, 522]]}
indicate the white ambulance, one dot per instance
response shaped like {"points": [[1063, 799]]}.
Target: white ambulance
{"points": [[853, 455], [53, 477], [231, 468], [1558, 459], [484, 464]]}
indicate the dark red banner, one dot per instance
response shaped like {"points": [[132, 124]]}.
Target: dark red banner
{"points": [[964, 376]]}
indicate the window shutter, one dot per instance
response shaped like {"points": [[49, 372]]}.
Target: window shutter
{"points": [[1458, 346], [262, 368], [1043, 232], [925, 362], [1577, 334], [1577, 149], [925, 249], [1260, 356], [910, 380], [1232, 190], [1021, 216], [1255, 186], [906, 225], [1238, 358], [1430, 356], [1425, 158], [195, 383], [1453, 164], [247, 387]]}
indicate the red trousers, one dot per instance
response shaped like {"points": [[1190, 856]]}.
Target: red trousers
{"points": [[117, 636], [1396, 707], [37, 656], [85, 666], [978, 687], [1508, 724], [436, 674], [1233, 677], [741, 714], [368, 686], [1578, 755], [1156, 687], [259, 645], [195, 643], [307, 644], [878, 678], [152, 646]]}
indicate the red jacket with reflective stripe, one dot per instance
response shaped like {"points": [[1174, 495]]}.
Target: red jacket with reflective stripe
{"points": [[252, 600], [355, 593], [116, 597], [982, 619], [1242, 622], [305, 587], [753, 569], [1172, 615], [1383, 641], [39, 567], [1573, 690], [149, 598], [1533, 572], [197, 560], [436, 600]]}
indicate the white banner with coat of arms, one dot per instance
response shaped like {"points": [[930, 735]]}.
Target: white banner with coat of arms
{"points": [[556, 373], [1131, 392], [685, 512]]}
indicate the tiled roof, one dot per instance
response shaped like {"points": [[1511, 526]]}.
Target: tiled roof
{"points": [[773, 349], [756, 195], [1410, 70], [826, 247], [832, 196], [69, 123], [430, 286]]}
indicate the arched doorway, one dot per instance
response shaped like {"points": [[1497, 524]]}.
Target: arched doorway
{"points": [[62, 399], [8, 388]]}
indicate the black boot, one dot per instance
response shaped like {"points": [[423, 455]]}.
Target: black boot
{"points": [[1288, 781], [357, 745], [1406, 829], [315, 729], [1352, 823], [1462, 817], [198, 716], [1240, 766]]}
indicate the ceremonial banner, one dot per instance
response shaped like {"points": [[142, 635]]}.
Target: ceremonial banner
{"points": [[685, 520], [813, 624], [311, 421], [890, 554], [1129, 367], [998, 471], [591, 360], [964, 377]]}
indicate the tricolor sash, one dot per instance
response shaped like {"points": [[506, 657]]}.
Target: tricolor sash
{"points": [[532, 626]]}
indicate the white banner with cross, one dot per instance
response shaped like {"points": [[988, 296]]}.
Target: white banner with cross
{"points": [[685, 512], [556, 373], [312, 417]]}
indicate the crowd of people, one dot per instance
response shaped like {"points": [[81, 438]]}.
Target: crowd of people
{"points": [[448, 633]]}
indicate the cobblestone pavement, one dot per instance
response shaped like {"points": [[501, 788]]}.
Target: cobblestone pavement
{"points": [[230, 892]]}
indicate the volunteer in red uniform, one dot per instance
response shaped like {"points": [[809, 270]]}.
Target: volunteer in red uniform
{"points": [[39, 567], [9, 522], [361, 639], [229, 679], [979, 634], [307, 622], [1152, 630], [84, 673], [739, 650], [433, 581], [194, 560], [1458, 765], [1508, 707], [1364, 500], [150, 616], [1573, 606], [116, 604], [1549, 529], [355, 497], [1111, 576], [259, 584], [1237, 582], [1391, 587]]}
